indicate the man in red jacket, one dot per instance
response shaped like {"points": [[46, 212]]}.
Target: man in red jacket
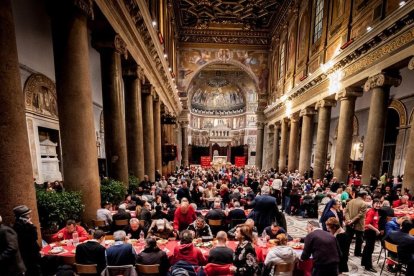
{"points": [[184, 215], [67, 232], [186, 250]]}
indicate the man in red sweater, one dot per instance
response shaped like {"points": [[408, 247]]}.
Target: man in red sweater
{"points": [[66, 233], [186, 250], [184, 215]]}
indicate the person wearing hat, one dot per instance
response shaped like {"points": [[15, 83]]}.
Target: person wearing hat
{"points": [[11, 262], [161, 229], [27, 237]]}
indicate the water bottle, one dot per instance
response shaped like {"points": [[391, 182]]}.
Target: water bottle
{"points": [[141, 236], [75, 238]]}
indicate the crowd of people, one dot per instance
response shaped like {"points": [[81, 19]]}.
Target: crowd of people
{"points": [[198, 205]]}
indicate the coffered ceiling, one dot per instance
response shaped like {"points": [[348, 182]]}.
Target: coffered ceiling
{"points": [[228, 21]]}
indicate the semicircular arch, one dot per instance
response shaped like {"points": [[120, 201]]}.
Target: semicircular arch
{"points": [[398, 106]]}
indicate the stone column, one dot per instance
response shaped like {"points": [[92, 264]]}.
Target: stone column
{"points": [[293, 143], [322, 138], [259, 145], [275, 151], [379, 85], [157, 135], [133, 77], [347, 98], [110, 48], [184, 131], [16, 175], [409, 156], [148, 124], [283, 145], [75, 105], [306, 139]]}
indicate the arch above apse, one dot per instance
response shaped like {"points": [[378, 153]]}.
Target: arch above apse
{"points": [[235, 63], [399, 107]]}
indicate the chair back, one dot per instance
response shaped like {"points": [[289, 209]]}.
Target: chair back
{"points": [[214, 222], [98, 223], [109, 237], [284, 267], [68, 260], [82, 269], [235, 222], [390, 247], [411, 232], [120, 270], [148, 269], [121, 222]]}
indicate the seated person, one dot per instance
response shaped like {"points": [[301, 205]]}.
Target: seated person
{"points": [[249, 222], [402, 202], [216, 213], [92, 251], [133, 230], [152, 255], [221, 254], [184, 215], [104, 214], [201, 229], [159, 214], [186, 251], [130, 204], [405, 245], [161, 229], [273, 231], [120, 253], [394, 224], [145, 215], [67, 232], [122, 213], [237, 212]]}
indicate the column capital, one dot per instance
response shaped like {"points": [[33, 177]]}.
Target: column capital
{"points": [[349, 92], [411, 64], [112, 42], [131, 70], [147, 88], [308, 111], [83, 6], [260, 125], [325, 103], [184, 124], [294, 118], [380, 80]]}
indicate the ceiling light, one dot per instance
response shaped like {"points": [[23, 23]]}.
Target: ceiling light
{"points": [[369, 28], [402, 3], [165, 55], [154, 23], [169, 69]]}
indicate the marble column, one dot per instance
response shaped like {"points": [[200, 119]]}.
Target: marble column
{"points": [[275, 150], [148, 124], [379, 86], [347, 98], [409, 156], [293, 143], [322, 138], [110, 48], [306, 139], [283, 145], [75, 105], [16, 175], [184, 131], [133, 78], [157, 135], [259, 145]]}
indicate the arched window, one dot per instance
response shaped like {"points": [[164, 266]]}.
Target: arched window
{"points": [[282, 60], [317, 29]]}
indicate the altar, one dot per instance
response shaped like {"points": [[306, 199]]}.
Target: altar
{"points": [[219, 162]]}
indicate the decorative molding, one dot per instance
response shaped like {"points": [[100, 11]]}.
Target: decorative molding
{"points": [[381, 80], [411, 64], [324, 103], [398, 106], [85, 6], [309, 111], [40, 96], [349, 92]]}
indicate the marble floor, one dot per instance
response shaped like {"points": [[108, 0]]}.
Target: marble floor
{"points": [[297, 228]]}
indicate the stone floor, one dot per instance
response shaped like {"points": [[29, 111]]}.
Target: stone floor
{"points": [[297, 228]]}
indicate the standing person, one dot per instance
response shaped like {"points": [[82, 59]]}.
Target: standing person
{"points": [[370, 235], [323, 248], [332, 209], [11, 262], [184, 215], [355, 220], [334, 227], [27, 237], [244, 259]]}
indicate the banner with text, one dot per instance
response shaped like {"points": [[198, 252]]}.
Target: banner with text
{"points": [[239, 161], [205, 161]]}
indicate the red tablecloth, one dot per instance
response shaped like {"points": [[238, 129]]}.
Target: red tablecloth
{"points": [[304, 267], [400, 213]]}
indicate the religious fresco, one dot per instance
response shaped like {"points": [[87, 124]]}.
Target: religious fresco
{"points": [[190, 60]]}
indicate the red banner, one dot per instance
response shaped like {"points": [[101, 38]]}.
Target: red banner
{"points": [[240, 161], [205, 161]]}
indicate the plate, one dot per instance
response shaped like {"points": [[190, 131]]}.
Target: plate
{"points": [[56, 250], [162, 241]]}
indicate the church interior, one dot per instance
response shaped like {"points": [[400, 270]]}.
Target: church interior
{"points": [[103, 88]]}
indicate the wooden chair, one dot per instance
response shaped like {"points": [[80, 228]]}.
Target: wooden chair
{"points": [[214, 222], [121, 270], [121, 222], [148, 269], [282, 268], [82, 269], [109, 237], [98, 224], [391, 248], [68, 260]]}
